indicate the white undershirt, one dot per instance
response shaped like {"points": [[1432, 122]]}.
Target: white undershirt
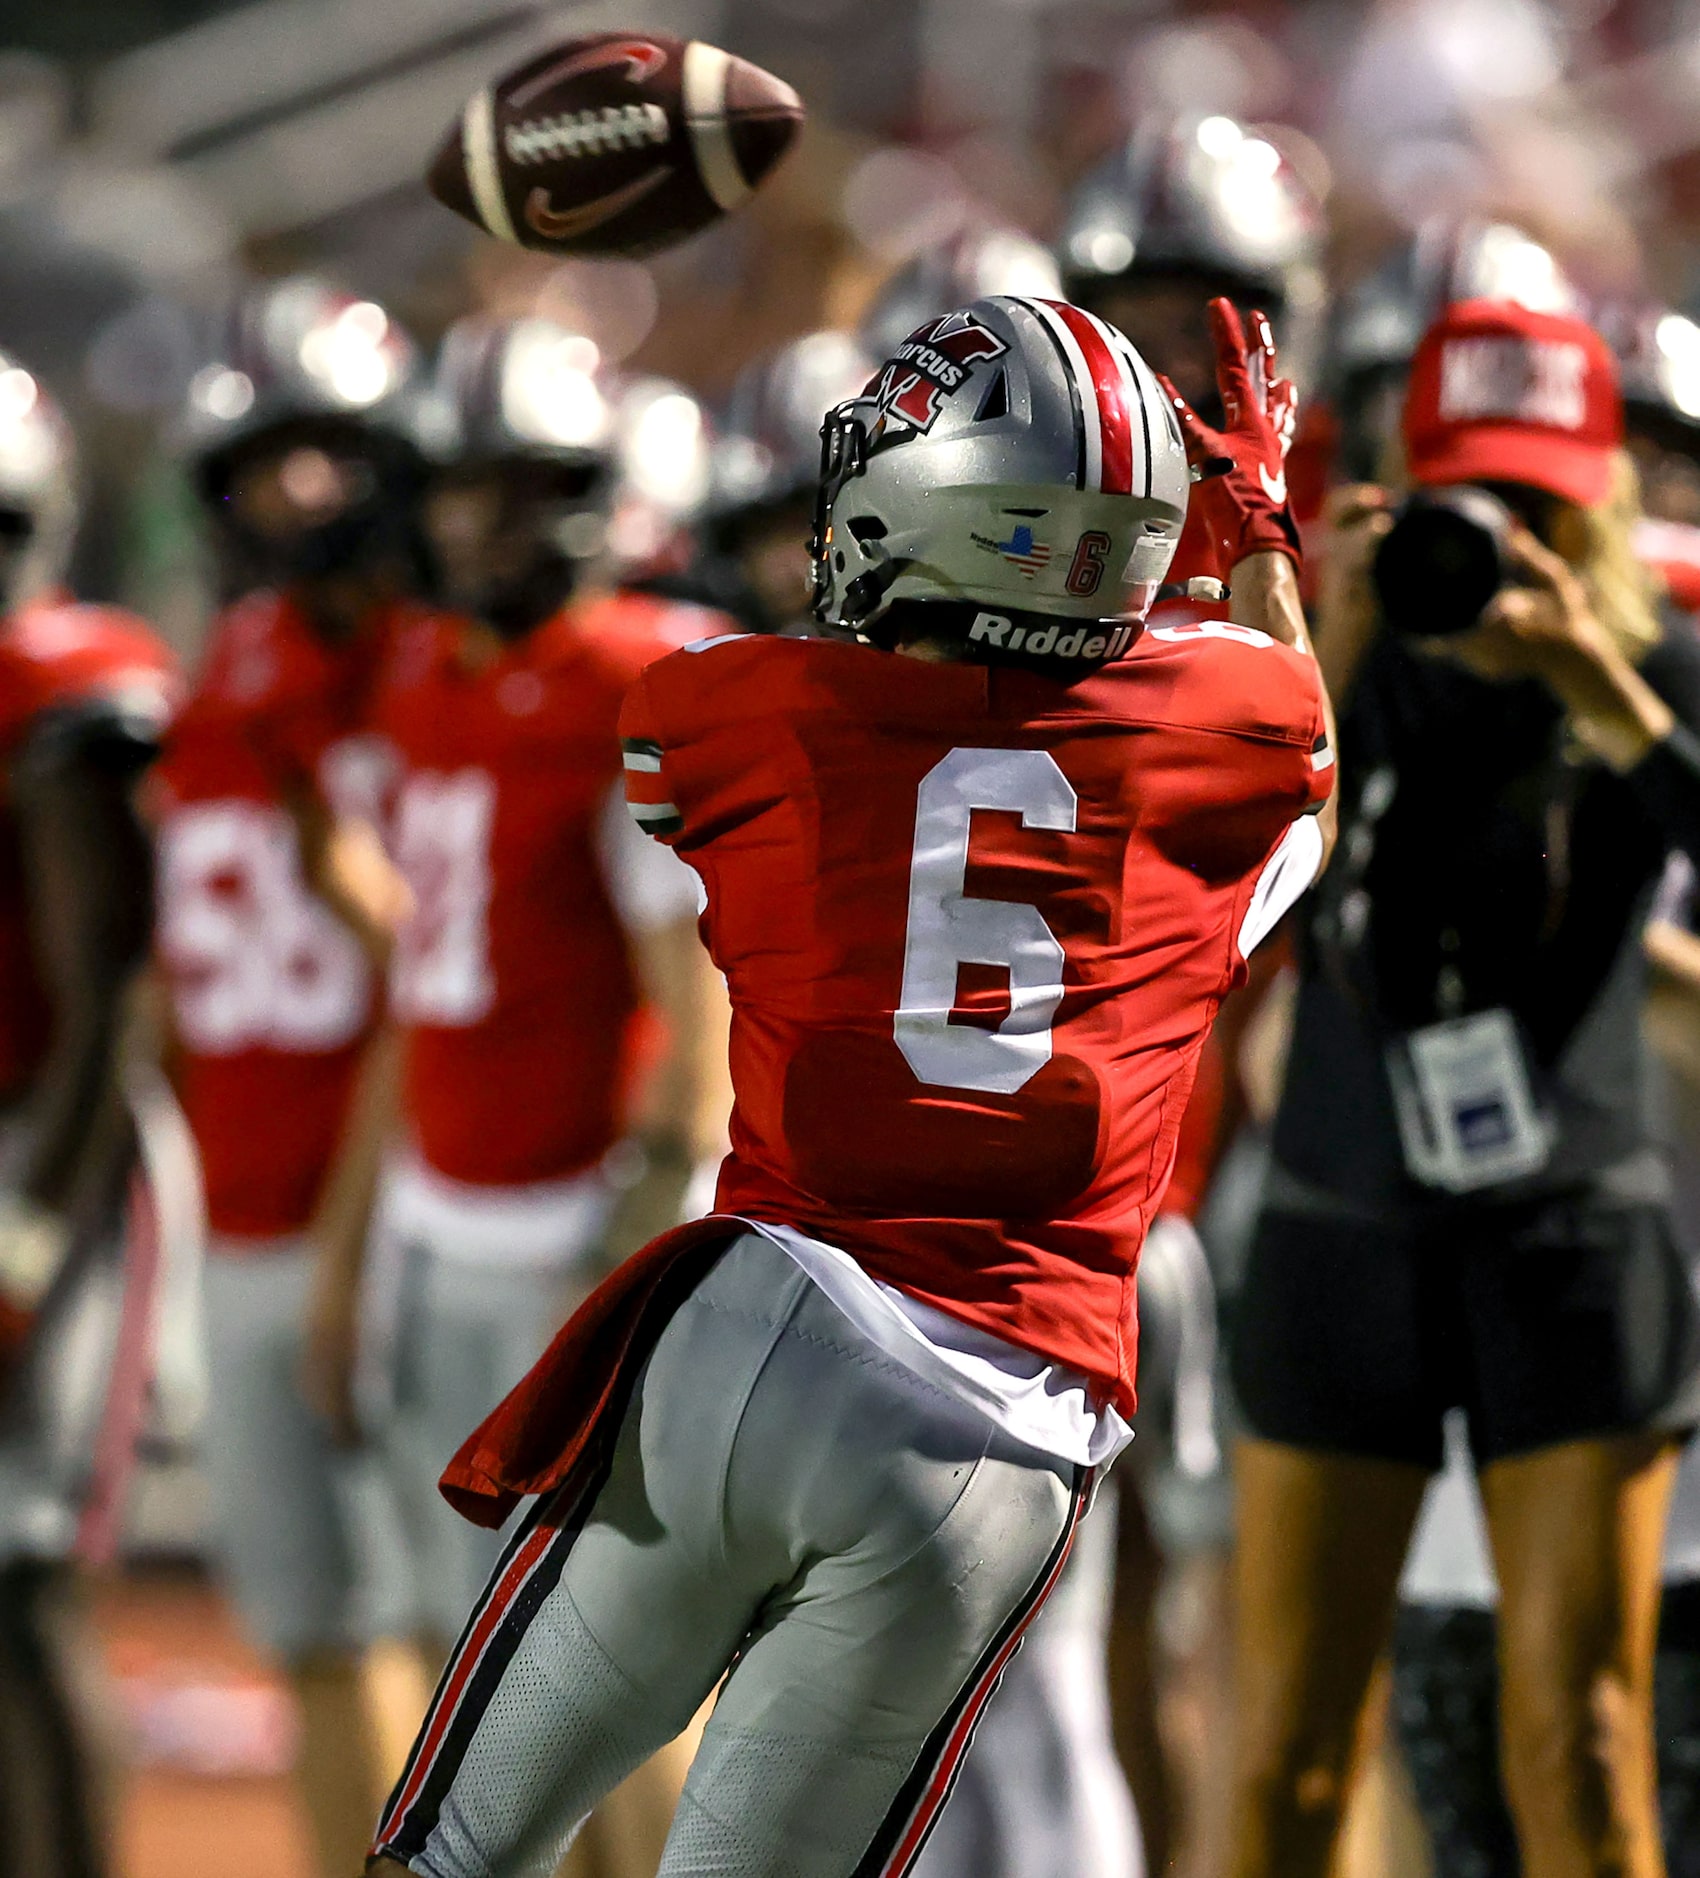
{"points": [[1039, 1402]]}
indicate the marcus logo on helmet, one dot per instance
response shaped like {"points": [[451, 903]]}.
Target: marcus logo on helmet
{"points": [[932, 363]]}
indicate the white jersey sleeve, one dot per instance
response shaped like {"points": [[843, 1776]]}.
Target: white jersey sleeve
{"points": [[648, 883]]}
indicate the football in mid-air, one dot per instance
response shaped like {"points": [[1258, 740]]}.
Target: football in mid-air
{"points": [[616, 143]]}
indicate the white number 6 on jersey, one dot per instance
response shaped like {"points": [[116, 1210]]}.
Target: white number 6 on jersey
{"points": [[947, 928]]}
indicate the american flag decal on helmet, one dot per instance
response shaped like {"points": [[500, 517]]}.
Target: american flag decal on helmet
{"points": [[1021, 550], [1111, 386]]}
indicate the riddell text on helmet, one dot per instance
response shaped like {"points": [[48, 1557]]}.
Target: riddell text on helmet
{"points": [[1084, 642]]}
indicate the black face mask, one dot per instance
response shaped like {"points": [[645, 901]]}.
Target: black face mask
{"points": [[17, 531], [519, 606], [378, 531], [360, 539], [542, 501]]}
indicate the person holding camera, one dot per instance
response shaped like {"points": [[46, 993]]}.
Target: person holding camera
{"points": [[1467, 1208]]}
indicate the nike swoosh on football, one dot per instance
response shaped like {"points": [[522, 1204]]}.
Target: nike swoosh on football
{"points": [[1274, 487], [562, 224], [641, 60]]}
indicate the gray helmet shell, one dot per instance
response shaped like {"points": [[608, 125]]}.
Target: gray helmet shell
{"points": [[1193, 192], [1013, 453], [1209, 196], [1379, 322], [768, 448], [976, 262], [1658, 362], [526, 389], [299, 351], [37, 478]]}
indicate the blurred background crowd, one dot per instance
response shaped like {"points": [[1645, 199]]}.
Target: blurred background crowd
{"points": [[1352, 167], [152, 155]]}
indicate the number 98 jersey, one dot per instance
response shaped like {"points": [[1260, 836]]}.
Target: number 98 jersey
{"points": [[976, 926]]}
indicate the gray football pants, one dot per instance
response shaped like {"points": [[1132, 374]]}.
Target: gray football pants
{"points": [[861, 1552]]}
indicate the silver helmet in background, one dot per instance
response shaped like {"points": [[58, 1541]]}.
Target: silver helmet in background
{"points": [[1379, 321], [38, 502], [977, 261], [528, 391], [522, 438], [299, 353], [768, 451], [664, 469], [1209, 202], [1658, 362], [327, 388], [1014, 466]]}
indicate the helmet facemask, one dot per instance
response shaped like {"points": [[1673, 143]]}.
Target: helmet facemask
{"points": [[509, 538], [350, 512]]}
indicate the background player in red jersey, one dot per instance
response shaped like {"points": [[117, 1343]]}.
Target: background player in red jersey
{"points": [[544, 938], [976, 906], [83, 696], [272, 918], [559, 1022]]}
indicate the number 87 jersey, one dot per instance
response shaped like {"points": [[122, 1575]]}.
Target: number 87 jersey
{"points": [[976, 926]]}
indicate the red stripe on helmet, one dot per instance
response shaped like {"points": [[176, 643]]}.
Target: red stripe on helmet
{"points": [[1109, 382]]}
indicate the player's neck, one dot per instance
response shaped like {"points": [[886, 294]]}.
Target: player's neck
{"points": [[932, 649], [480, 646]]}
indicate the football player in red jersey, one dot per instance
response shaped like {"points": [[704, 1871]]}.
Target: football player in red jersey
{"points": [[977, 885], [1042, 1795], [272, 917], [83, 696], [544, 938]]}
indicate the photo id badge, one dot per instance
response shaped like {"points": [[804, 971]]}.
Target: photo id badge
{"points": [[1467, 1114]]}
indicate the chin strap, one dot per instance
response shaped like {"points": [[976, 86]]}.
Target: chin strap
{"points": [[1200, 587]]}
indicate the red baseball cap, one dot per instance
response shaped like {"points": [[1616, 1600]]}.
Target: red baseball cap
{"points": [[1499, 393]]}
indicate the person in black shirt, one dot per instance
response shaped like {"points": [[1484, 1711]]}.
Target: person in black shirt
{"points": [[1467, 1207]]}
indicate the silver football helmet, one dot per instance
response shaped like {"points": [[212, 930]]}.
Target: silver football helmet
{"points": [[1379, 321], [769, 447], [38, 504], [294, 353], [1658, 362], [979, 260], [1015, 454], [505, 389]]}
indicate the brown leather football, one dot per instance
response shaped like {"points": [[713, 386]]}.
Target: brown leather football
{"points": [[616, 143]]}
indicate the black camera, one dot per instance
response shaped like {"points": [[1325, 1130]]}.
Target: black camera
{"points": [[1445, 557]]}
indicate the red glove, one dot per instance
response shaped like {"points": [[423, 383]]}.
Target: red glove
{"points": [[1241, 470]]}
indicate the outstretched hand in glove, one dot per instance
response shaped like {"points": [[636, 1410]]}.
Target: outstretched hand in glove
{"points": [[1241, 469]]}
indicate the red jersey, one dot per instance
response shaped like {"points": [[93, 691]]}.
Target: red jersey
{"points": [[976, 926], [512, 978], [271, 992], [58, 656]]}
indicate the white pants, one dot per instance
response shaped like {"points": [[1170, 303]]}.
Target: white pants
{"points": [[861, 1552], [1042, 1794], [475, 1286], [302, 1529]]}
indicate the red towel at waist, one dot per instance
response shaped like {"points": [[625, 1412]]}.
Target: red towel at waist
{"points": [[551, 1427]]}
